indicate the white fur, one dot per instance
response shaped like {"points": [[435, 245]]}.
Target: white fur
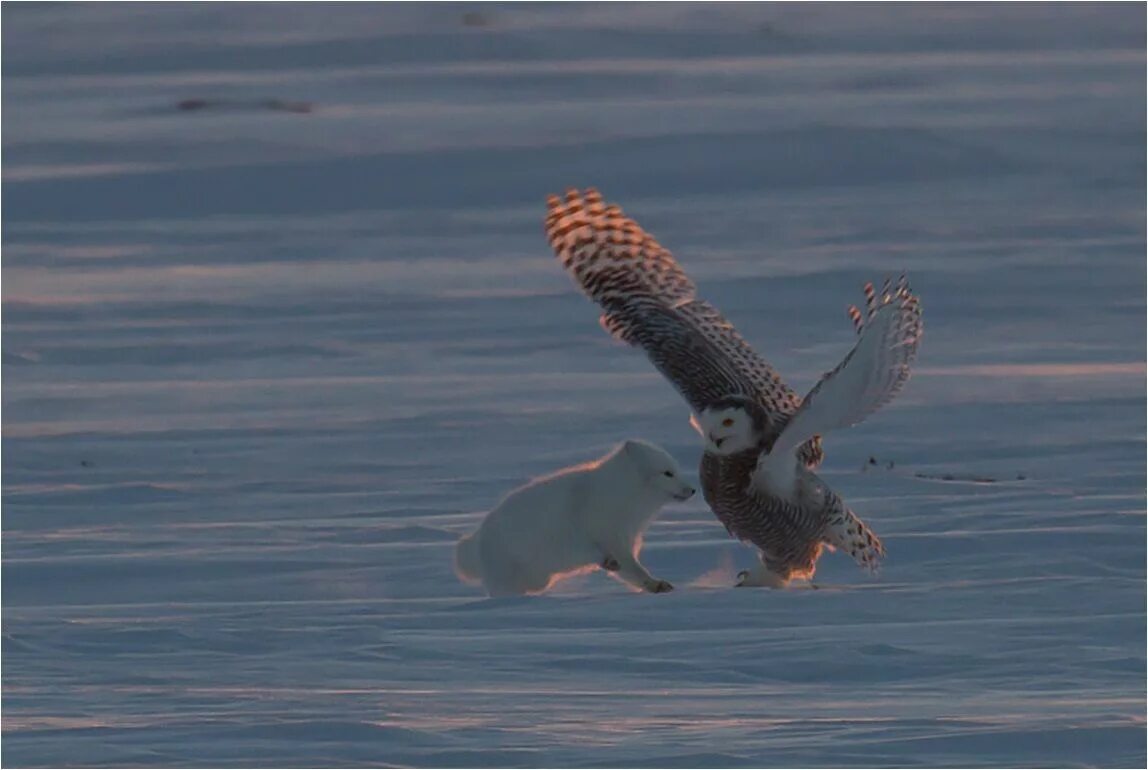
{"points": [[575, 520], [725, 431]]}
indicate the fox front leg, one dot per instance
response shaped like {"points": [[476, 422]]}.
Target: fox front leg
{"points": [[628, 568]]}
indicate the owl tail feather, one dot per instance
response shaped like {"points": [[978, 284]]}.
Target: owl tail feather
{"points": [[850, 534]]}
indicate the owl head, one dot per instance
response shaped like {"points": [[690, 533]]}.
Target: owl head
{"points": [[731, 425]]}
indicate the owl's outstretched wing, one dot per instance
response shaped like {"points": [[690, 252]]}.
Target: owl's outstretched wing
{"points": [[872, 373], [648, 301]]}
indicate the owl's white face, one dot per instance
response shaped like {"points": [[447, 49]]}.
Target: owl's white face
{"points": [[726, 431]]}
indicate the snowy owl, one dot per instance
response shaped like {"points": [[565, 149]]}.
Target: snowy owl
{"points": [[762, 441]]}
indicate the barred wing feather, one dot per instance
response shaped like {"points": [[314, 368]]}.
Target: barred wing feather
{"points": [[648, 301]]}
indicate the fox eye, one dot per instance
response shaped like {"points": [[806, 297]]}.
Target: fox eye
{"points": [[668, 474], [727, 422]]}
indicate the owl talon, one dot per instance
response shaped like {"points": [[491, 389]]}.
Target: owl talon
{"points": [[610, 564], [659, 587], [761, 578]]}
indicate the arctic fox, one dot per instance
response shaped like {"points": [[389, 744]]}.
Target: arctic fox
{"points": [[572, 521]]}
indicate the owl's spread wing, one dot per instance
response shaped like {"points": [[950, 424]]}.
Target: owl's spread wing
{"points": [[872, 373], [648, 301]]}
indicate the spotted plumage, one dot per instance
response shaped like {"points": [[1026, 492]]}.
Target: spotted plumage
{"points": [[788, 536], [761, 440]]}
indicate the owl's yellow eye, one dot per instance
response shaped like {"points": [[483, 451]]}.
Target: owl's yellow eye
{"points": [[727, 422]]}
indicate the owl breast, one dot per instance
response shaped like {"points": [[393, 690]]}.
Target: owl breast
{"points": [[788, 535]]}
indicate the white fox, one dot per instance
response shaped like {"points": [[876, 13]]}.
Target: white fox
{"points": [[572, 521]]}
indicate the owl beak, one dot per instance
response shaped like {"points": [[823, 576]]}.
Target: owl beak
{"points": [[716, 441]]}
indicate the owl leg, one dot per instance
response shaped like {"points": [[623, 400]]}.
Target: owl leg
{"points": [[762, 576]]}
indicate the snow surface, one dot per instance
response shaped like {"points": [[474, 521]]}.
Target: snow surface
{"points": [[262, 367]]}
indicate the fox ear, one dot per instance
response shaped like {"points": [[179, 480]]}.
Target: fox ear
{"points": [[633, 448]]}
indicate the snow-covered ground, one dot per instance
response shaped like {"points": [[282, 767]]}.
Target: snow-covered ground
{"points": [[262, 366]]}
